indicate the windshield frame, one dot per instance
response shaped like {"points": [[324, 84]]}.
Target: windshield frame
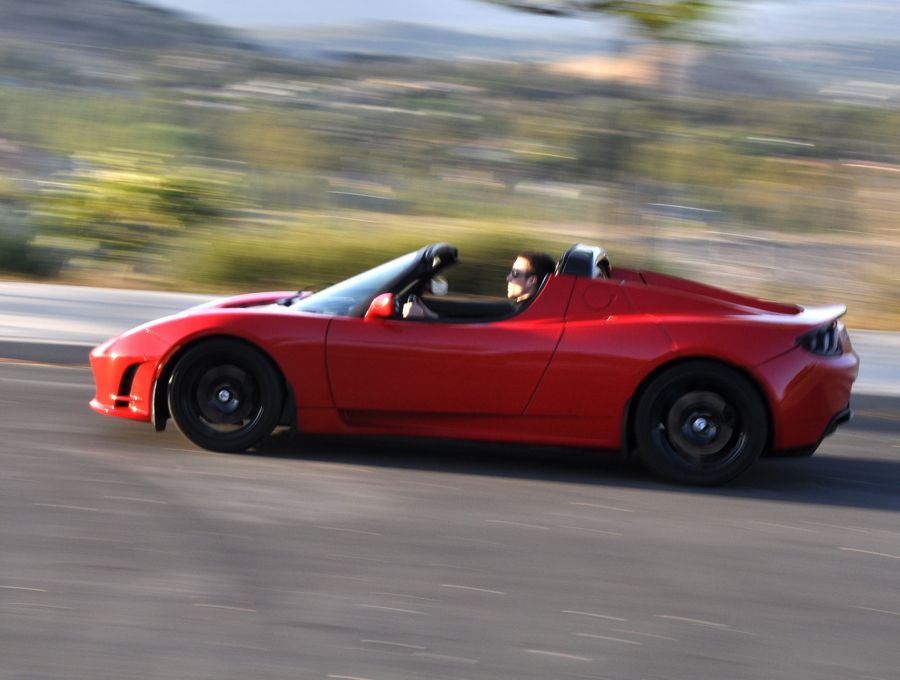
{"points": [[352, 297]]}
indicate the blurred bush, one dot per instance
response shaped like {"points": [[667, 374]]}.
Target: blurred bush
{"points": [[19, 253], [313, 255], [128, 205]]}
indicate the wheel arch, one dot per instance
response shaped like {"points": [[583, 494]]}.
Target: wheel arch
{"points": [[629, 433], [160, 402]]}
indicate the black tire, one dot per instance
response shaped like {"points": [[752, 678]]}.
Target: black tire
{"points": [[700, 423], [225, 395]]}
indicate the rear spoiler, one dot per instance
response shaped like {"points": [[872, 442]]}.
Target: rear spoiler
{"points": [[811, 317]]}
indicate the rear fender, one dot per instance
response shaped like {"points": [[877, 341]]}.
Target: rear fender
{"points": [[629, 435]]}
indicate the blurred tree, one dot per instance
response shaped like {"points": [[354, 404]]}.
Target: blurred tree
{"points": [[657, 19], [128, 204], [605, 152], [669, 23]]}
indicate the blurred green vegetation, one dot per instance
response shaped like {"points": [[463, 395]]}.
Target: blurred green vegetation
{"points": [[278, 174], [130, 205], [310, 256]]}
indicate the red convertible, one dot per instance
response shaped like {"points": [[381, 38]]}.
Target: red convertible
{"points": [[698, 381]]}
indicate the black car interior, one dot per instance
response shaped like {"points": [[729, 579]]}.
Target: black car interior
{"points": [[578, 260]]}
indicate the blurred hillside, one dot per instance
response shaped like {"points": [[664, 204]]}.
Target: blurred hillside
{"points": [[138, 147], [104, 42], [102, 24]]}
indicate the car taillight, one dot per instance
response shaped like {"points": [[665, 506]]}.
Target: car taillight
{"points": [[826, 340]]}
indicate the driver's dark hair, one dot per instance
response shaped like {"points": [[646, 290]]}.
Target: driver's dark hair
{"points": [[541, 263]]}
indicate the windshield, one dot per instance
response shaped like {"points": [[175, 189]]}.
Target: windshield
{"points": [[352, 297]]}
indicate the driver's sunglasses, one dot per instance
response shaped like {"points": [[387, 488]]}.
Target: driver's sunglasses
{"points": [[519, 273]]}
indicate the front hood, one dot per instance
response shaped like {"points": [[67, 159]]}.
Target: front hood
{"points": [[248, 300]]}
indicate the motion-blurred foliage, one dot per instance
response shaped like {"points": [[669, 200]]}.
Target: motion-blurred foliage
{"points": [[311, 256], [130, 205]]}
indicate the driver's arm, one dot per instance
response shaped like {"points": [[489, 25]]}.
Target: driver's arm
{"points": [[414, 308]]}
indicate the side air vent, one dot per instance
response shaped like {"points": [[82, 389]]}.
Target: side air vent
{"points": [[124, 391], [824, 341]]}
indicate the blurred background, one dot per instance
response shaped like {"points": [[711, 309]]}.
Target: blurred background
{"points": [[214, 147]]}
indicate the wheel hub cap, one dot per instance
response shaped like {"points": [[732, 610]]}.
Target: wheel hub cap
{"points": [[225, 395], [699, 424], [703, 429]]}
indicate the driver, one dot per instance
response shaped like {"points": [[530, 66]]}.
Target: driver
{"points": [[527, 274], [523, 280]]}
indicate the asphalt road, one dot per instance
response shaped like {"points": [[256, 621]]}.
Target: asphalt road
{"points": [[127, 554]]}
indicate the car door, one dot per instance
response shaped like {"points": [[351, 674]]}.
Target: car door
{"points": [[488, 368]]}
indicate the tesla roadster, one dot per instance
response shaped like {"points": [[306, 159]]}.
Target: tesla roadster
{"points": [[695, 380]]}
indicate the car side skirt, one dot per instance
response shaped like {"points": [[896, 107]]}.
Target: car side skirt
{"points": [[551, 430]]}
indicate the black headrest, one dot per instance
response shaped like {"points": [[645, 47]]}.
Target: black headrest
{"points": [[584, 260]]}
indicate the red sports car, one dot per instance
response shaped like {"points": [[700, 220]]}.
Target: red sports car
{"points": [[696, 380]]}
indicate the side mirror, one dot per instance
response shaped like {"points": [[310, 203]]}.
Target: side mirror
{"points": [[382, 307]]}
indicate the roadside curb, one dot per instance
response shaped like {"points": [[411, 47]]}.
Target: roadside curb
{"points": [[875, 410], [58, 353]]}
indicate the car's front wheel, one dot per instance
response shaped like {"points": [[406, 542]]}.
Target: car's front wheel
{"points": [[225, 395], [700, 423]]}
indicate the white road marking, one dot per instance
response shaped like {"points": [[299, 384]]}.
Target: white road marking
{"points": [[445, 657], [36, 604], [223, 606], [602, 507], [593, 615], [342, 466], [358, 558], [699, 622], [33, 590], [231, 645], [348, 677], [781, 526], [880, 611], [411, 597], [593, 531], [433, 485], [136, 500], [477, 590], [871, 552], [649, 635], [392, 609], [517, 524], [349, 531], [558, 655], [66, 507], [838, 526], [605, 637], [393, 644]]}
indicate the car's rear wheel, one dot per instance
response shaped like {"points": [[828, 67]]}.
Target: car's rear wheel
{"points": [[700, 423], [225, 395]]}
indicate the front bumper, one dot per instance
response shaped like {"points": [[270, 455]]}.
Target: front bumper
{"points": [[124, 370]]}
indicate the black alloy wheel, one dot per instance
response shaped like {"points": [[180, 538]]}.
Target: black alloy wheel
{"points": [[225, 395], [700, 423]]}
